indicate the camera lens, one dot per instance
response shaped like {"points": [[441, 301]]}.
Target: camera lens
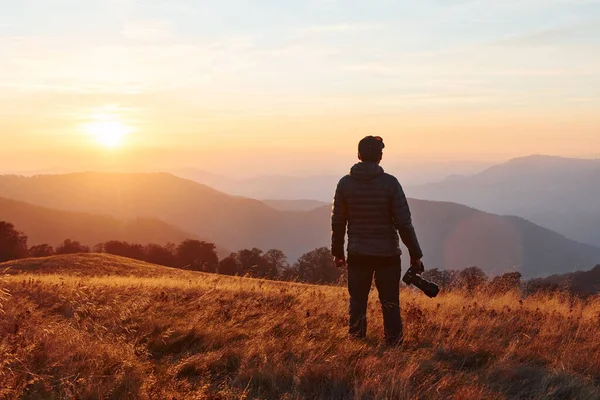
{"points": [[429, 288]]}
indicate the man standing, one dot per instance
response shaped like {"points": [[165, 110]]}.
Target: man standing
{"points": [[373, 207]]}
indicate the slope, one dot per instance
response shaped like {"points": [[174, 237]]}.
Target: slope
{"points": [[47, 226], [455, 236], [558, 193], [581, 282], [233, 222], [209, 336], [89, 264]]}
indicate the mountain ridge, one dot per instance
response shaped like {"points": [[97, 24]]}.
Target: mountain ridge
{"points": [[453, 236], [44, 225], [555, 192]]}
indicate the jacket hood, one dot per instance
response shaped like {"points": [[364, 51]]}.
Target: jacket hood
{"points": [[364, 171]]}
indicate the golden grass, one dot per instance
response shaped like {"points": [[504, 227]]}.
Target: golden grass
{"points": [[168, 334]]}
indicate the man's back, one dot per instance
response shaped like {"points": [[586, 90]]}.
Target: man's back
{"points": [[373, 207]]}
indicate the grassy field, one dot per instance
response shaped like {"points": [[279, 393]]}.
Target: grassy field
{"points": [[95, 327]]}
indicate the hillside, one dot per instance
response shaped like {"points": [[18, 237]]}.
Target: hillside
{"points": [[209, 336], [453, 236], [456, 236], [558, 193], [48, 226], [580, 282], [233, 222], [90, 265]]}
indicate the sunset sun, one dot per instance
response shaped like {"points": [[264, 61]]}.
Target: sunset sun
{"points": [[108, 130]]}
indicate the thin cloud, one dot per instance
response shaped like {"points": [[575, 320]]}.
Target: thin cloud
{"points": [[37, 64]]}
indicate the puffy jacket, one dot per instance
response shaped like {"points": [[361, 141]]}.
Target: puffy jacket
{"points": [[373, 207]]}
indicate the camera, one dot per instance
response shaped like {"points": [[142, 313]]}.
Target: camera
{"points": [[412, 277]]}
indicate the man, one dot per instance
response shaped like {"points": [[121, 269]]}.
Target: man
{"points": [[373, 207]]}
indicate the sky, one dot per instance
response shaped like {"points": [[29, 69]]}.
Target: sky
{"points": [[264, 86]]}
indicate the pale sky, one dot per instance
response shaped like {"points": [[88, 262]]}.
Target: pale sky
{"points": [[227, 84]]}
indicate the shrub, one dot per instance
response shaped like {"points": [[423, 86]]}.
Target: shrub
{"points": [[71, 247], [41, 250], [13, 244]]}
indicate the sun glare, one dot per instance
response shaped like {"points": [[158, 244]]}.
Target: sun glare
{"points": [[107, 130]]}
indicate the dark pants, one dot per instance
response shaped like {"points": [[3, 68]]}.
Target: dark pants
{"points": [[387, 271]]}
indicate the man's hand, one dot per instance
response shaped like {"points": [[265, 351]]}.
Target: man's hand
{"points": [[418, 264], [340, 262]]}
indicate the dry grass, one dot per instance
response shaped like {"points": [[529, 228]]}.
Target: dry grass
{"points": [[169, 334]]}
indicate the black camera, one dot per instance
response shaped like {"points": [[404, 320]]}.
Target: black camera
{"points": [[413, 277]]}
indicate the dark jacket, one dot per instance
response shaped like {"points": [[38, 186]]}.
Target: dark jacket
{"points": [[373, 207]]}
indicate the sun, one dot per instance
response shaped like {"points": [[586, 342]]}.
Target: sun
{"points": [[108, 130]]}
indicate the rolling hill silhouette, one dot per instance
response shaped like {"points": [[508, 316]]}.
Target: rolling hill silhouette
{"points": [[558, 193], [453, 236], [47, 226], [233, 222]]}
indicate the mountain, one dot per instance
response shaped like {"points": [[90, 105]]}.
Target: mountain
{"points": [[284, 187], [453, 236], [321, 186], [558, 193], [47, 226], [295, 205], [231, 221]]}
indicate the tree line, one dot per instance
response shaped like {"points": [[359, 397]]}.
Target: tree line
{"points": [[195, 255], [313, 267]]}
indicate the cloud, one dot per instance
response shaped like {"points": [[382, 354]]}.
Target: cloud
{"points": [[150, 59], [38, 64]]}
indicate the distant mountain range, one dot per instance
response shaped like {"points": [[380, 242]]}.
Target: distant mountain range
{"points": [[453, 236], [280, 187], [320, 186], [561, 194]]}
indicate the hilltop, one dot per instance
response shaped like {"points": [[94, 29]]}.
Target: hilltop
{"points": [[104, 328], [89, 265]]}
